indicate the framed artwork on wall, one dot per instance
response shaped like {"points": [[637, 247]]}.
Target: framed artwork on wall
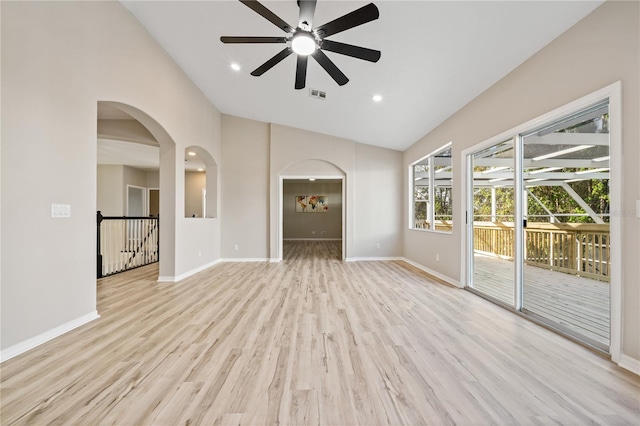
{"points": [[312, 203]]}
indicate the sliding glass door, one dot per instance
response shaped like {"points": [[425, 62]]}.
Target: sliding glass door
{"points": [[492, 222], [538, 224], [566, 248]]}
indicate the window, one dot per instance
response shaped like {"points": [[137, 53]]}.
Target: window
{"points": [[432, 195]]}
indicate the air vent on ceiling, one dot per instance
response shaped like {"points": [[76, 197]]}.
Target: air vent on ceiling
{"points": [[315, 93]]}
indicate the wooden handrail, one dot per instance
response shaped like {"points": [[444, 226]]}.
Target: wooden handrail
{"points": [[126, 242]]}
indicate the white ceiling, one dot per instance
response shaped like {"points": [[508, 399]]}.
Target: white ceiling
{"points": [[436, 57]]}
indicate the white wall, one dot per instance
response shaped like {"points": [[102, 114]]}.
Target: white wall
{"points": [[598, 51], [302, 225], [59, 59]]}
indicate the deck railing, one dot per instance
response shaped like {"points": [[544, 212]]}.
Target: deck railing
{"points": [[441, 225], [126, 243], [575, 248]]}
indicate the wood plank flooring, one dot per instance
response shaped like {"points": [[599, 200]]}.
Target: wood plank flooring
{"points": [[580, 305], [310, 340]]}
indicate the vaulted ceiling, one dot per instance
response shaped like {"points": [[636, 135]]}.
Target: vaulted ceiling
{"points": [[436, 57]]}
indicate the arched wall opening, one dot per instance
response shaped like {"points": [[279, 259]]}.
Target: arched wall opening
{"points": [[201, 184], [166, 169], [317, 170]]}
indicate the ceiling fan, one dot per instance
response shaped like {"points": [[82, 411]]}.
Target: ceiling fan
{"points": [[305, 41]]}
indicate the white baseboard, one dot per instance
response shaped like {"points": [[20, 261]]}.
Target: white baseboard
{"points": [[31, 343], [436, 274], [175, 279], [630, 364], [312, 239], [245, 259], [371, 259]]}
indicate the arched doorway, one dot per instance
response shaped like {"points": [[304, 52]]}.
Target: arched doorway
{"points": [[150, 147], [304, 175]]}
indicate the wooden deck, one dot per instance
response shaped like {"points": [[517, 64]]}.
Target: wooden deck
{"points": [[578, 304]]}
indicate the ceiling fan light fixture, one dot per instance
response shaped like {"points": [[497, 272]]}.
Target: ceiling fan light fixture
{"points": [[303, 43]]}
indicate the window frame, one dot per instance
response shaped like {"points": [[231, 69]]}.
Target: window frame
{"points": [[430, 204]]}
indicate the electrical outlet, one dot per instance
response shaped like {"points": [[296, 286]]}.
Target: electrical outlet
{"points": [[235, 247], [437, 257], [323, 232], [313, 232], [378, 246], [200, 253]]}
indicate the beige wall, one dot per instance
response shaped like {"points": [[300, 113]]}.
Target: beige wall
{"points": [[110, 193], [250, 185], [290, 146], [112, 181], [59, 59], [153, 180], [325, 225], [244, 178], [379, 202], [194, 183], [600, 50]]}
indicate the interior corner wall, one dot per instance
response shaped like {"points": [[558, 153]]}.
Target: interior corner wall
{"points": [[312, 224], [59, 59], [244, 188], [599, 50], [378, 202]]}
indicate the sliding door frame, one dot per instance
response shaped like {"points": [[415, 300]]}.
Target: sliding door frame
{"points": [[612, 93]]}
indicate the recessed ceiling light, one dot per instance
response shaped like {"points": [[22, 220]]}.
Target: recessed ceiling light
{"points": [[200, 169], [192, 153], [235, 67], [377, 98], [312, 179]]}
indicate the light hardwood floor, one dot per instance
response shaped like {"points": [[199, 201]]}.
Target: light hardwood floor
{"points": [[310, 340]]}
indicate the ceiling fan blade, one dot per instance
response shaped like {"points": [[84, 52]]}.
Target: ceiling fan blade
{"points": [[307, 9], [242, 39], [350, 50], [301, 72], [272, 62], [267, 14], [330, 67], [360, 16]]}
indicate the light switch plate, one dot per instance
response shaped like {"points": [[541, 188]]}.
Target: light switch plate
{"points": [[60, 210]]}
